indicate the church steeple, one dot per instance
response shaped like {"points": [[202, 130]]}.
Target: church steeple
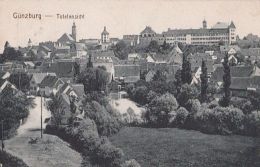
{"points": [[29, 42], [74, 32], [204, 24]]}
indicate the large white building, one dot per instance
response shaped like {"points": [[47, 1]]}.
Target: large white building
{"points": [[220, 33]]}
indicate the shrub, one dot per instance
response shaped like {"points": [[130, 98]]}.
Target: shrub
{"points": [[252, 124], [108, 155], [160, 110], [187, 92], [9, 160], [193, 105], [131, 163], [106, 123], [242, 103], [220, 120], [181, 116]]}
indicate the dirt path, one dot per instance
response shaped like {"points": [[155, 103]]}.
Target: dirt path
{"points": [[49, 151]]}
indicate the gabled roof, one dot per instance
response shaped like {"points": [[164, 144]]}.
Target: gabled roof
{"points": [[232, 25], [235, 71], [49, 81], [244, 83], [79, 89], [148, 30], [38, 77], [65, 38], [126, 70]]}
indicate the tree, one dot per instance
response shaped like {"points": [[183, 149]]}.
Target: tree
{"points": [[187, 92], [10, 54], [90, 64], [94, 79], [56, 107], [178, 82], [77, 71], [159, 110], [204, 81], [159, 76], [153, 47], [121, 50], [186, 75], [226, 83], [13, 108], [21, 80]]}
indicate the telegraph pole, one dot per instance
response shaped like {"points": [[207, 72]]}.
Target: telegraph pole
{"points": [[2, 136], [41, 115]]}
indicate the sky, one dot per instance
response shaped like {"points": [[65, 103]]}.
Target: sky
{"points": [[120, 17]]}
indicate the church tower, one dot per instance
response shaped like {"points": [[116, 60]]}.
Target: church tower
{"points": [[204, 24], [29, 43], [74, 32], [105, 36]]}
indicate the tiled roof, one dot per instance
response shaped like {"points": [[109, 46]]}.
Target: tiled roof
{"points": [[127, 70], [220, 25], [232, 25], [177, 32], [79, 89], [235, 71], [148, 30], [245, 82], [49, 81], [38, 77], [65, 38]]}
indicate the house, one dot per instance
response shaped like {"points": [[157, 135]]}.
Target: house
{"points": [[149, 76], [252, 54], [241, 85], [235, 72], [133, 56], [79, 50], [36, 79], [63, 68], [4, 84], [50, 85], [231, 49], [127, 73], [76, 90], [4, 75]]}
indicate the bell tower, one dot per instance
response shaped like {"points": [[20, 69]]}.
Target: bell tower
{"points": [[74, 32]]}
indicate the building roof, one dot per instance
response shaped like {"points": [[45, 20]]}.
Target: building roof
{"points": [[220, 25], [177, 32], [105, 31], [38, 77], [79, 89], [126, 70], [66, 38], [148, 30], [235, 71], [49, 81], [232, 25], [243, 83]]}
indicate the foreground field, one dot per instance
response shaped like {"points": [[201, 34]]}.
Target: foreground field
{"points": [[175, 147]]}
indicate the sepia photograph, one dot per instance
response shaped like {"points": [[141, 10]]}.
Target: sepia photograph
{"points": [[130, 83]]}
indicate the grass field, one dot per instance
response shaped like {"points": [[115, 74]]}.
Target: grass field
{"points": [[175, 147]]}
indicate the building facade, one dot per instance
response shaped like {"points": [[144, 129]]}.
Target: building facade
{"points": [[220, 33]]}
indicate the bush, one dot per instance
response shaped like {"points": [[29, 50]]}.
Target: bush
{"points": [[242, 103], [160, 109], [131, 163], [8, 160], [84, 138], [220, 120], [252, 124], [193, 105], [108, 155], [107, 124], [180, 118], [187, 92]]}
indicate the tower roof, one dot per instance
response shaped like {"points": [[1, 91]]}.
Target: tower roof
{"points": [[232, 25], [148, 30], [74, 25], [105, 31], [30, 41]]}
